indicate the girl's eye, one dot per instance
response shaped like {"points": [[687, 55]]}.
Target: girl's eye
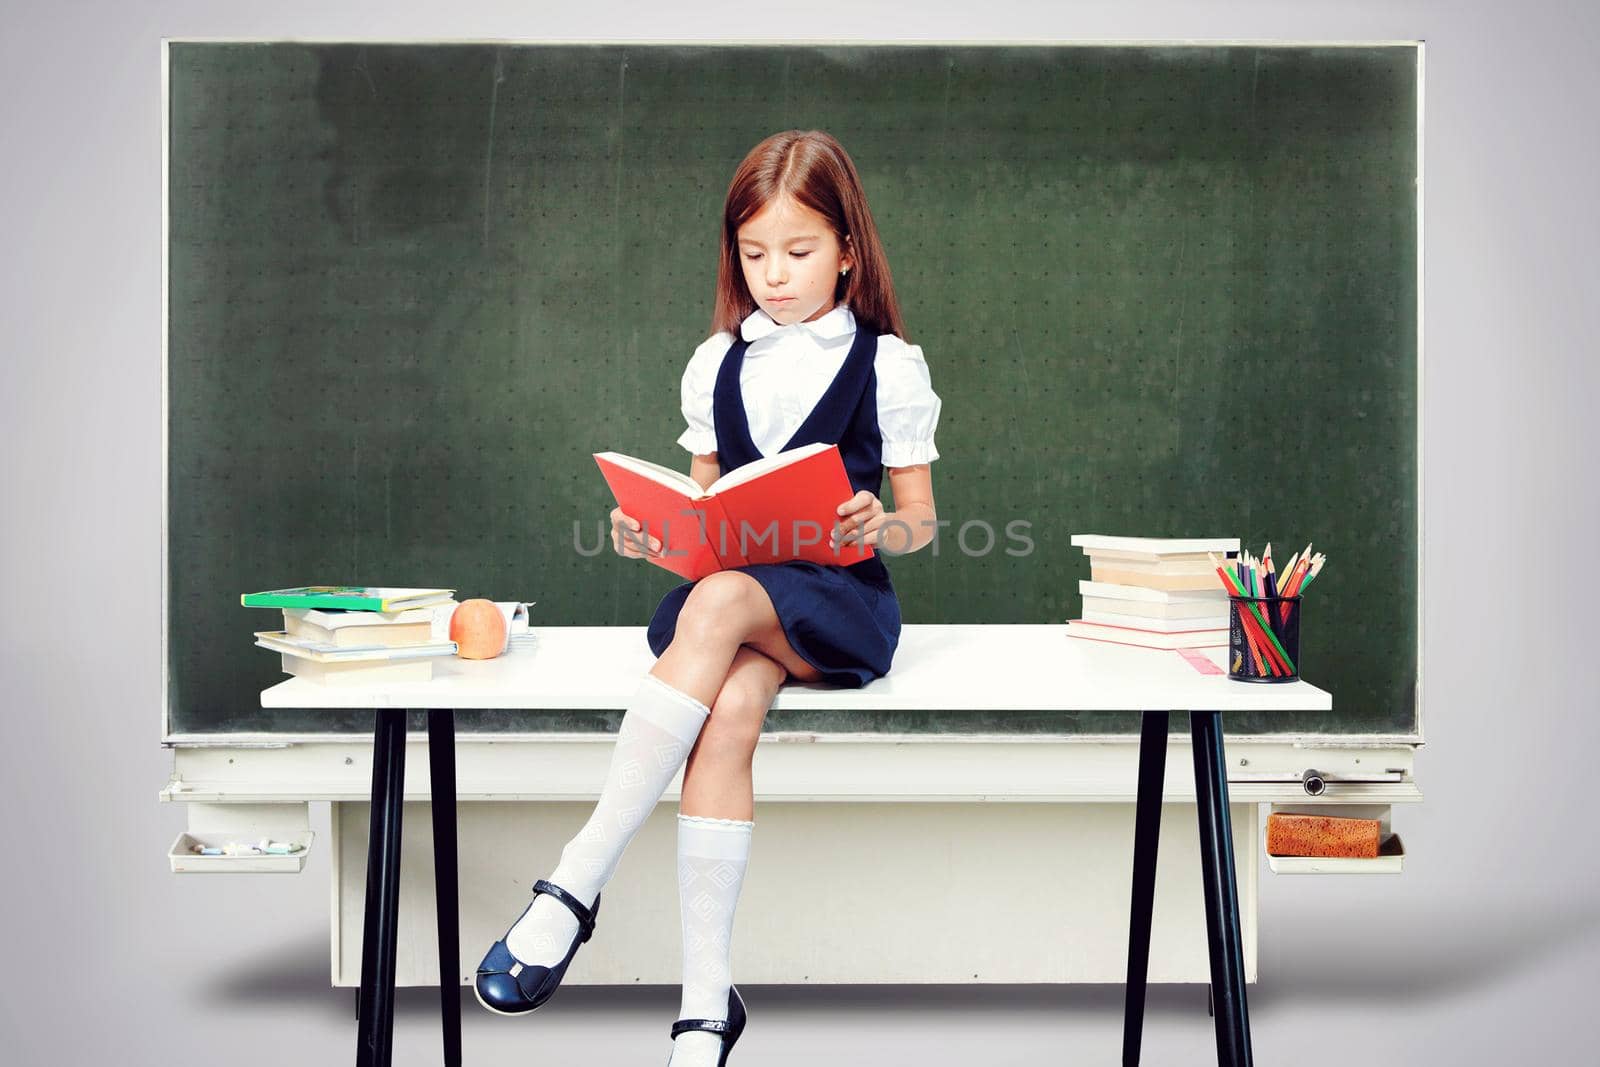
{"points": [[801, 255], [752, 255]]}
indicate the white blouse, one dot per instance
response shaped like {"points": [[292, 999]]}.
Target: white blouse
{"points": [[787, 369]]}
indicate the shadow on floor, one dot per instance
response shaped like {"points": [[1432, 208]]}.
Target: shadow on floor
{"points": [[1457, 951], [1459, 947]]}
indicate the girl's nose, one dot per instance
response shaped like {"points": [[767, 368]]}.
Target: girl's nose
{"points": [[775, 270]]}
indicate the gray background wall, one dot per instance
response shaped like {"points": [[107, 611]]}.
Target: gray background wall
{"points": [[1483, 951]]}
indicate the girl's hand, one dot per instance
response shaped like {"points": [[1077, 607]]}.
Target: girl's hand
{"points": [[627, 539], [861, 517]]}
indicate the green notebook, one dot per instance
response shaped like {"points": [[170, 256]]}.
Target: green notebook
{"points": [[348, 597]]}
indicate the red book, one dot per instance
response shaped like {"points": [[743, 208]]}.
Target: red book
{"points": [[775, 509]]}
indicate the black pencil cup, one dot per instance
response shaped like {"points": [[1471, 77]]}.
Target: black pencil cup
{"points": [[1252, 656]]}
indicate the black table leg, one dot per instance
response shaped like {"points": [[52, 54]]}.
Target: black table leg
{"points": [[1221, 889], [375, 1028], [1146, 838], [442, 780]]}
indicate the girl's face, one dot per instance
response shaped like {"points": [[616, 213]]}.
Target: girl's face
{"points": [[791, 261]]}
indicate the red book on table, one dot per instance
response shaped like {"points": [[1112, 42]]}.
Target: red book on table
{"points": [[776, 509]]}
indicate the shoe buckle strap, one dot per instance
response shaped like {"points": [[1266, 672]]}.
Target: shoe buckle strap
{"points": [[716, 1026], [583, 915]]}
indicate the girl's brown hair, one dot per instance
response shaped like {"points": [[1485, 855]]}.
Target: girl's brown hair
{"points": [[813, 169]]}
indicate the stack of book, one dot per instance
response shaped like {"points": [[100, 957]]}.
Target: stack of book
{"points": [[1153, 592], [356, 635]]}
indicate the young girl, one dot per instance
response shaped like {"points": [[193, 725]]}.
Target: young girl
{"points": [[807, 346]]}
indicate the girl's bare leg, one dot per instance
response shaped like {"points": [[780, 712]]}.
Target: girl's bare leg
{"points": [[722, 612], [717, 779]]}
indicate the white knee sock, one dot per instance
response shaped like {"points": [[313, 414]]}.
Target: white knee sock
{"points": [[712, 856], [656, 734]]}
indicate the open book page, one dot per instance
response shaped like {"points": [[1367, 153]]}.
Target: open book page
{"points": [[775, 509], [334, 619], [757, 468], [657, 473], [785, 510]]}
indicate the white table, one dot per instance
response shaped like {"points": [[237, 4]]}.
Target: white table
{"points": [[937, 668]]}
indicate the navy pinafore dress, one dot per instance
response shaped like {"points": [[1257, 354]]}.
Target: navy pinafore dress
{"points": [[843, 620]]}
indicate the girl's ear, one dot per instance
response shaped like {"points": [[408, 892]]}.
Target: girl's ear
{"points": [[847, 258]]}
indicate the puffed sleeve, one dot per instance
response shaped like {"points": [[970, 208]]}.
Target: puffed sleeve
{"points": [[908, 408], [699, 378]]}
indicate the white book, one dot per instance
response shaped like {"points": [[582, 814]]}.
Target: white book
{"points": [[391, 635], [1193, 614], [1155, 547], [366, 673], [334, 619], [1165, 565], [1111, 574], [326, 652], [1217, 597], [1177, 625]]}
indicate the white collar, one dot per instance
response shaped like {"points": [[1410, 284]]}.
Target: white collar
{"points": [[836, 323]]}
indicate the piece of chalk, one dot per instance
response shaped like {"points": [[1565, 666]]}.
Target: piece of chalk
{"points": [[280, 847]]}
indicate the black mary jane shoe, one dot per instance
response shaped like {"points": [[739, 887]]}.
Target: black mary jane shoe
{"points": [[507, 986], [730, 1028]]}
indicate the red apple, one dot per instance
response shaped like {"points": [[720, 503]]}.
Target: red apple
{"points": [[478, 629]]}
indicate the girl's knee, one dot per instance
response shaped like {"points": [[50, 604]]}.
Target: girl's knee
{"points": [[720, 602], [727, 737], [736, 716], [741, 705]]}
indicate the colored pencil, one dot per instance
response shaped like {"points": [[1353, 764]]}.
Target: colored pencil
{"points": [[1253, 632], [1252, 644], [1271, 666], [1265, 631], [1263, 658], [1305, 574], [1316, 568], [1258, 584], [1297, 574], [1288, 570], [1288, 592]]}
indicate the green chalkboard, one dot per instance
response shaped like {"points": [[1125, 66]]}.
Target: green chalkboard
{"points": [[1163, 291]]}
